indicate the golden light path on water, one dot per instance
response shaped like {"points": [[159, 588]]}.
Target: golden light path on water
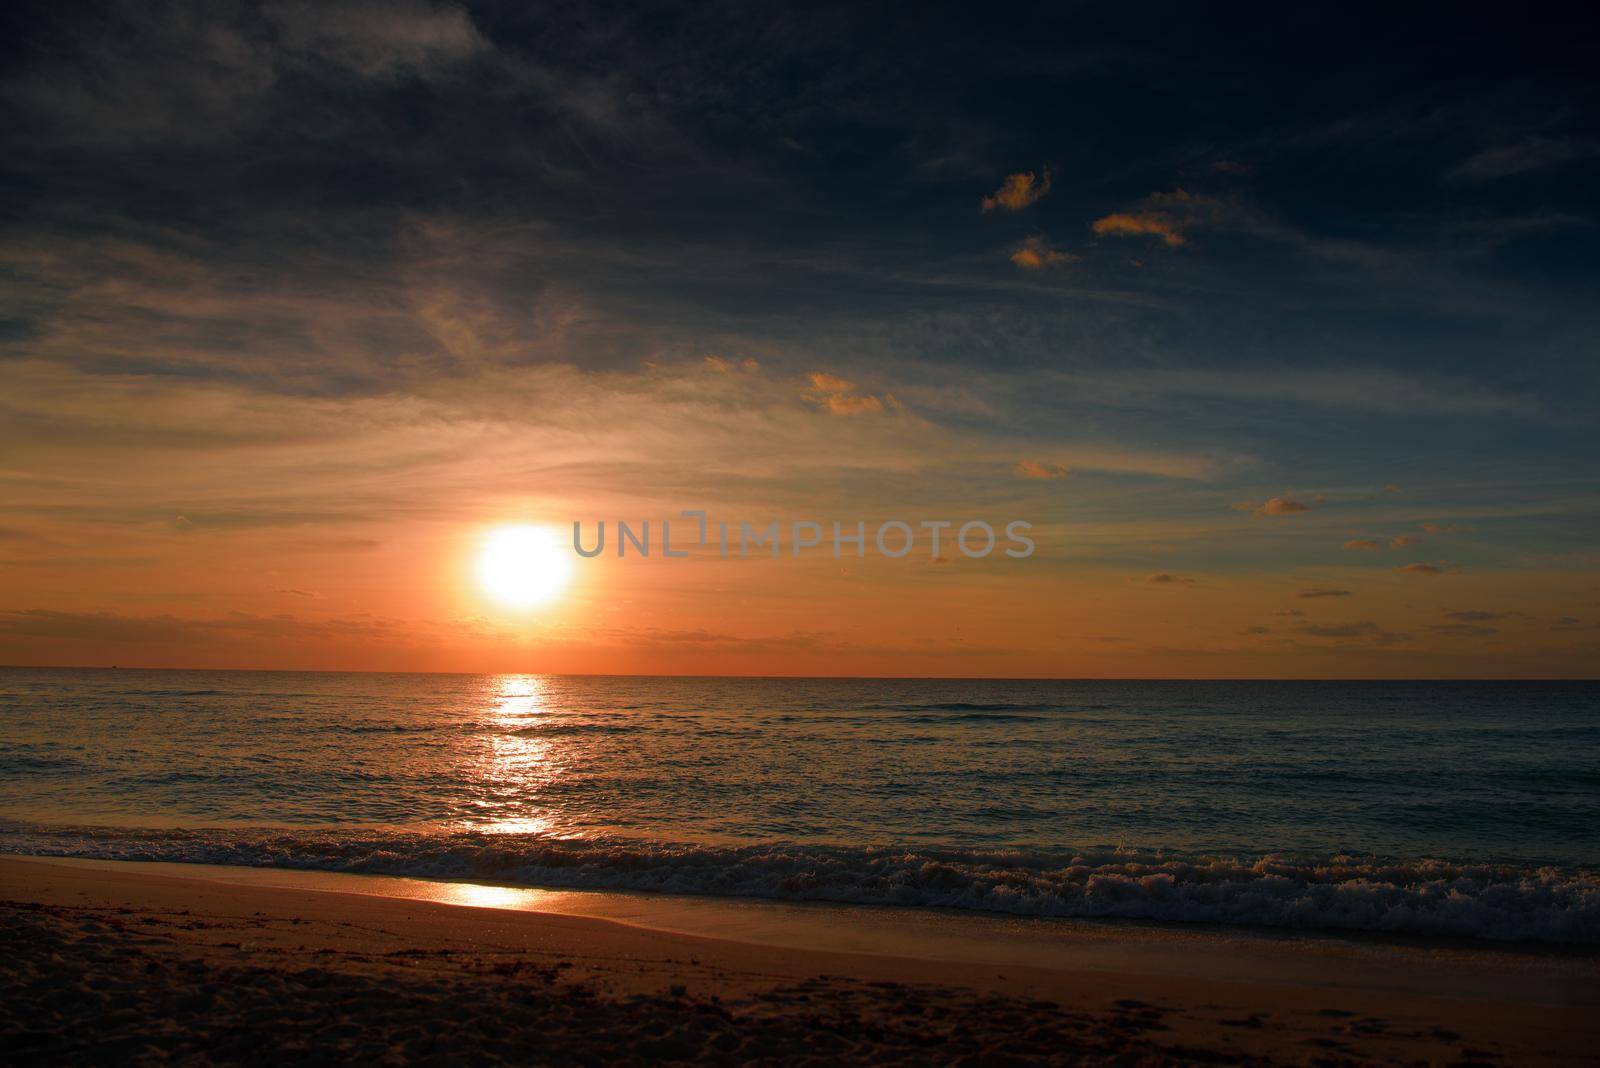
{"points": [[519, 763]]}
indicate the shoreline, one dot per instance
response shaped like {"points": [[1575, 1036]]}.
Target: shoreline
{"points": [[1112, 991], [1426, 899], [1457, 966]]}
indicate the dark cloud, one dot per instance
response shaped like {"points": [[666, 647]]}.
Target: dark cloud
{"points": [[1462, 630], [1364, 631], [234, 627], [1423, 569]]}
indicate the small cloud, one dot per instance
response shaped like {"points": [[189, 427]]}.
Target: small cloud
{"points": [[1036, 254], [1444, 528], [750, 363], [182, 524], [1404, 541], [838, 397], [1365, 544], [1307, 594], [1291, 612], [1281, 506], [1019, 191], [1391, 488], [1256, 630], [1573, 623], [1422, 569], [1042, 469], [1164, 579], [718, 364], [1140, 223]]}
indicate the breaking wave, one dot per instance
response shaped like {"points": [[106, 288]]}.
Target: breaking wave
{"points": [[1343, 892]]}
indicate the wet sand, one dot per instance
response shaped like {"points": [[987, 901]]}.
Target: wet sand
{"points": [[122, 964]]}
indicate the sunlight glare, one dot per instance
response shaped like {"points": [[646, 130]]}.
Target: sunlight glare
{"points": [[523, 567]]}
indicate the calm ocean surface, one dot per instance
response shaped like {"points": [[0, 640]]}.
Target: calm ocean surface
{"points": [[1445, 808]]}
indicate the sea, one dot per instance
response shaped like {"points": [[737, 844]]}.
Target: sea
{"points": [[1435, 809]]}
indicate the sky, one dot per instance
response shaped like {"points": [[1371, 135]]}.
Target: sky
{"points": [[1279, 326]]}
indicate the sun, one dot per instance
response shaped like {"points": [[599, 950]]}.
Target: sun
{"points": [[523, 567]]}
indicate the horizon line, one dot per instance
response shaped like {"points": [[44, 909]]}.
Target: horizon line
{"points": [[827, 678]]}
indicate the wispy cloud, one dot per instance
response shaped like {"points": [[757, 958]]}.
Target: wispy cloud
{"points": [[235, 626], [839, 396], [1522, 157], [147, 75], [1462, 630]]}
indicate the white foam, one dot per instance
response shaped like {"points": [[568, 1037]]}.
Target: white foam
{"points": [[1431, 897]]}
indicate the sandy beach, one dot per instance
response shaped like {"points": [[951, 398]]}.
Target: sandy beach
{"points": [[108, 963]]}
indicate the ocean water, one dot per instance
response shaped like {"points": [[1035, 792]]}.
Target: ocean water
{"points": [[1432, 808]]}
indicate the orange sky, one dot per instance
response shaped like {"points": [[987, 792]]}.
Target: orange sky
{"points": [[181, 525]]}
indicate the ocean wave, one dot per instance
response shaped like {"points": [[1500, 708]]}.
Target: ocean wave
{"points": [[1348, 893], [964, 706], [27, 762], [980, 717]]}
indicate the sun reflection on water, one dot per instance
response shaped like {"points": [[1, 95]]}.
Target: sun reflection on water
{"points": [[488, 897], [519, 763]]}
